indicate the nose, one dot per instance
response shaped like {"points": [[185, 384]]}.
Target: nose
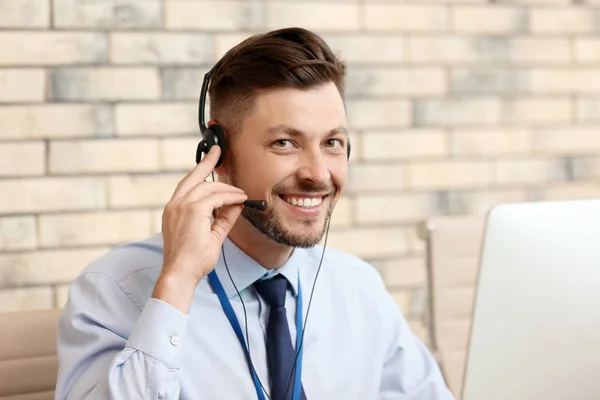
{"points": [[314, 168]]}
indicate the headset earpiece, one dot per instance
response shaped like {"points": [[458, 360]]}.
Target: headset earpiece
{"points": [[349, 146], [212, 136]]}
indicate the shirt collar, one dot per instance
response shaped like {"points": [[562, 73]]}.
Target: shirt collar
{"points": [[245, 270]]}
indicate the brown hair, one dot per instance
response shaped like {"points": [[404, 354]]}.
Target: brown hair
{"points": [[290, 57]]}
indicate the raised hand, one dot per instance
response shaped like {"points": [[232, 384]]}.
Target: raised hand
{"points": [[192, 240]]}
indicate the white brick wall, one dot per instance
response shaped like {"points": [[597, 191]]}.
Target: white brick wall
{"points": [[454, 106]]}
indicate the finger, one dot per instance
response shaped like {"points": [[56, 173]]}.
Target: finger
{"points": [[199, 173], [204, 189], [225, 220]]}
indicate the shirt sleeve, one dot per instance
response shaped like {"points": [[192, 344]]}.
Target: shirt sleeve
{"points": [[110, 349], [409, 371]]}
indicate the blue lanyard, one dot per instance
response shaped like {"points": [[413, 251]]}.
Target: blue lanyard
{"points": [[226, 304]]}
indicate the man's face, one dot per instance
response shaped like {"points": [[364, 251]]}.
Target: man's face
{"points": [[292, 152]]}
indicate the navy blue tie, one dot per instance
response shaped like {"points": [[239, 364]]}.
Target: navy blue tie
{"points": [[280, 352]]}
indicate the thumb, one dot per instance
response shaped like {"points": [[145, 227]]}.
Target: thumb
{"points": [[225, 220]]}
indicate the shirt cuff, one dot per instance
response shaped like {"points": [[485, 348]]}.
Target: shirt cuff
{"points": [[160, 332]]}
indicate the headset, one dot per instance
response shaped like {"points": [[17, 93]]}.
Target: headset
{"points": [[215, 136]]}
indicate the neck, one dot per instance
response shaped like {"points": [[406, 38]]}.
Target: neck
{"points": [[268, 253]]}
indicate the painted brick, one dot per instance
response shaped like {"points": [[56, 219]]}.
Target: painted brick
{"points": [[540, 51], [404, 272], [565, 20], [51, 194], [519, 171], [405, 17], [343, 213], [223, 42], [553, 81], [572, 140], [449, 174], [97, 228], [459, 111], [386, 209], [489, 20], [142, 190], [103, 155], [451, 2], [105, 84], [538, 111], [45, 267], [22, 85], [543, 2], [156, 119], [320, 16], [490, 142], [107, 14], [182, 83], [161, 48], [214, 15], [23, 158], [61, 295], [52, 48], [376, 114], [488, 50], [54, 121], [24, 14], [366, 177], [361, 49], [23, 299], [586, 50], [453, 50], [488, 80], [422, 81], [390, 145], [565, 81], [571, 191], [479, 202], [17, 233], [179, 153], [587, 109], [370, 242]]}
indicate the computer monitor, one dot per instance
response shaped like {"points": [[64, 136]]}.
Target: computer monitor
{"points": [[536, 323]]}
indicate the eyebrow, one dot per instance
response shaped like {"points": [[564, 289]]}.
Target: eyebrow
{"points": [[289, 131]]}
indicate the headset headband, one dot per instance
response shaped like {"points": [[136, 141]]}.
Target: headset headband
{"points": [[201, 106]]}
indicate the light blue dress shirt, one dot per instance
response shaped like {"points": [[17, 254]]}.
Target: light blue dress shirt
{"points": [[116, 342]]}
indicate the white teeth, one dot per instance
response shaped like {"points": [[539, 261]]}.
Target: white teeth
{"points": [[304, 201]]}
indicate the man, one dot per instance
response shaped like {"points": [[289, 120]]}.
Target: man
{"points": [[230, 302]]}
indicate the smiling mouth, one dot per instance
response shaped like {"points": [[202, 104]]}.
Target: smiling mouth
{"points": [[303, 201]]}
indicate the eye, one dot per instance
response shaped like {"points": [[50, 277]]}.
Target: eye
{"points": [[281, 143], [332, 142]]}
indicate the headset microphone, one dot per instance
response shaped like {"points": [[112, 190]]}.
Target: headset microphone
{"points": [[214, 136], [260, 205]]}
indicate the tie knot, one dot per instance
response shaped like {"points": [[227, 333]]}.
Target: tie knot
{"points": [[272, 290]]}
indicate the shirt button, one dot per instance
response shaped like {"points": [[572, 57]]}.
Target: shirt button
{"points": [[174, 340]]}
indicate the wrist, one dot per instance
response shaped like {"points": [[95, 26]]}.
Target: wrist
{"points": [[176, 290]]}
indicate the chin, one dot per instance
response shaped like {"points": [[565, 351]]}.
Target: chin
{"points": [[296, 228]]}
